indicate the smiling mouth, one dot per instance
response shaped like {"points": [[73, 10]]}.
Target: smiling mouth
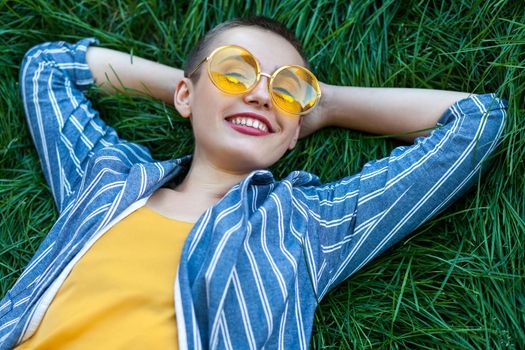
{"points": [[250, 123], [248, 126]]}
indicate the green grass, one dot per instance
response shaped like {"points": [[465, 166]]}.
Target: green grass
{"points": [[457, 283]]}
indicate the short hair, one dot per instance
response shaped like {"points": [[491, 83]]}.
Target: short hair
{"points": [[201, 49]]}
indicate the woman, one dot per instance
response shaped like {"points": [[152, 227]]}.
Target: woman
{"points": [[256, 254]]}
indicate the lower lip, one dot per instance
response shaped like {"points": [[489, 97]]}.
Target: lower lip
{"points": [[247, 130]]}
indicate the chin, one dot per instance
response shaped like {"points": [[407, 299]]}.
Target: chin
{"points": [[247, 163], [242, 158], [250, 165]]}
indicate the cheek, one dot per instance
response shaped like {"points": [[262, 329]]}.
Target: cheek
{"points": [[291, 124], [209, 101]]}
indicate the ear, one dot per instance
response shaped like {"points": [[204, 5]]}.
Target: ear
{"points": [[183, 97], [296, 136]]}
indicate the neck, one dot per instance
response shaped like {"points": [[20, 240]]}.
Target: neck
{"points": [[208, 182]]}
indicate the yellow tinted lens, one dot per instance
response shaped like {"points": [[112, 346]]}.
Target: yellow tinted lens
{"points": [[233, 70], [295, 90]]}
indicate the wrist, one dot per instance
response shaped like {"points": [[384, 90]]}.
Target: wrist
{"points": [[326, 105]]}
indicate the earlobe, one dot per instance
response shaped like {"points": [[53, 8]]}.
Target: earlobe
{"points": [[182, 97]]}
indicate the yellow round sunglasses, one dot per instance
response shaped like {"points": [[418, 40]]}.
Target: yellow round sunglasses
{"points": [[234, 70]]}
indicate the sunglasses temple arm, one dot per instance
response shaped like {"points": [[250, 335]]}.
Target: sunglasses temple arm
{"points": [[197, 67]]}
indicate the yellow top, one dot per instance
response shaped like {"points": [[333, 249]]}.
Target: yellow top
{"points": [[120, 293]]}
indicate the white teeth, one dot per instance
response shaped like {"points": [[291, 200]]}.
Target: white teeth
{"points": [[254, 123]]}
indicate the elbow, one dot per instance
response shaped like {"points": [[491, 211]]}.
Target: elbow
{"points": [[482, 120], [490, 128], [494, 118], [43, 52], [475, 129], [31, 60], [480, 132], [38, 52], [68, 58]]}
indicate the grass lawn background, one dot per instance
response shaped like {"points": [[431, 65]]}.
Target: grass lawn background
{"points": [[457, 283]]}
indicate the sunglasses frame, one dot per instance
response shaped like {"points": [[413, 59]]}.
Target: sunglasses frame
{"points": [[258, 78]]}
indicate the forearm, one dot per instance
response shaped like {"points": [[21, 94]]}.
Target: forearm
{"points": [[387, 111], [114, 70]]}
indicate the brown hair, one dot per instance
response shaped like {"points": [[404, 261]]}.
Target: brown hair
{"points": [[200, 50]]}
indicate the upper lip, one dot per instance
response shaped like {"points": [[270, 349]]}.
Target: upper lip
{"points": [[259, 117]]}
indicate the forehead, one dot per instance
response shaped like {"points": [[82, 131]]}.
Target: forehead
{"points": [[271, 49]]}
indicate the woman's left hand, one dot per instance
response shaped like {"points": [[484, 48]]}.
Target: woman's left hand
{"points": [[318, 118]]}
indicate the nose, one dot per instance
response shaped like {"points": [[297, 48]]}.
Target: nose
{"points": [[259, 95]]}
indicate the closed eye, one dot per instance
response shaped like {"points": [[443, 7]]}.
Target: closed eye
{"points": [[233, 74], [283, 90]]}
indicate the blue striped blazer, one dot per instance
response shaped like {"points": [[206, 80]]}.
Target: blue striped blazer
{"points": [[257, 263]]}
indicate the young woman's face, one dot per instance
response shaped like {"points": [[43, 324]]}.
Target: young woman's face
{"points": [[217, 138]]}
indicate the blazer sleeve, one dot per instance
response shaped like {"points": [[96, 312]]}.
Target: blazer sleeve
{"points": [[65, 128], [353, 220]]}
